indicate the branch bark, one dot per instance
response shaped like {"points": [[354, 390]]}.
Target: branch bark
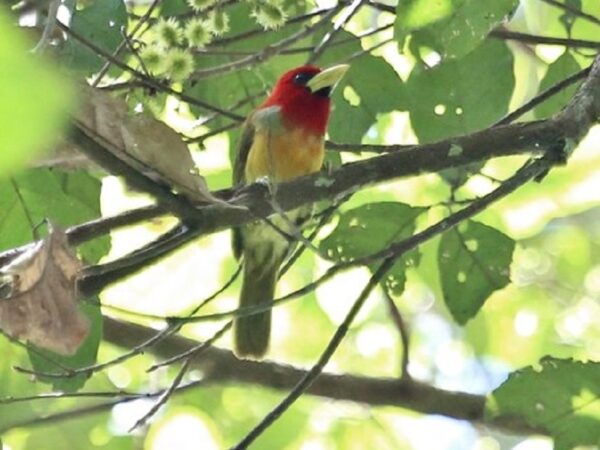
{"points": [[221, 366]]}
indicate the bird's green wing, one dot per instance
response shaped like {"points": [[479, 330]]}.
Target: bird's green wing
{"points": [[241, 156], [239, 179]]}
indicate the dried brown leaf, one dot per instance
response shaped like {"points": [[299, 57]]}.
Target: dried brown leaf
{"points": [[38, 296], [143, 142]]}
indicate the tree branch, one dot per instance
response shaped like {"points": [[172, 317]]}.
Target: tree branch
{"points": [[222, 366], [534, 39], [569, 126], [456, 152], [87, 141]]}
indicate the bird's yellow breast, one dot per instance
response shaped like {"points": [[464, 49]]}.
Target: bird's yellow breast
{"points": [[284, 154]]}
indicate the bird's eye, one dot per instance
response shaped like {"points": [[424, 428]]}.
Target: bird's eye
{"points": [[302, 78]]}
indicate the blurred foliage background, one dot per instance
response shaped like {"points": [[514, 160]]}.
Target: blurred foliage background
{"points": [[420, 71]]}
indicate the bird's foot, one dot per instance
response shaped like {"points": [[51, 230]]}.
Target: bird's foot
{"points": [[268, 183]]}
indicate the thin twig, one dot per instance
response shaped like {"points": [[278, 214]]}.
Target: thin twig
{"points": [[30, 348], [60, 395], [524, 175], [260, 30], [78, 413], [148, 81], [316, 369], [174, 327], [576, 12], [194, 351], [164, 397], [294, 234], [135, 54], [338, 25], [367, 51], [325, 216], [70, 373], [382, 7], [542, 96], [99, 227], [402, 333], [104, 70], [266, 53], [501, 33], [200, 139], [48, 27]]}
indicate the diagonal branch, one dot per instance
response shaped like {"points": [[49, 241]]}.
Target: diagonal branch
{"points": [[501, 33], [566, 129]]}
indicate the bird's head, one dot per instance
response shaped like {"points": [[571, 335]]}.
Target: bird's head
{"points": [[303, 96]]}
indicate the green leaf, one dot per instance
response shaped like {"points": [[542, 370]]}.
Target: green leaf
{"points": [[461, 96], [452, 27], [100, 24], [560, 69], [560, 396], [65, 198], [474, 261], [568, 18], [378, 89], [348, 123], [370, 228], [44, 360], [28, 124], [416, 14]]}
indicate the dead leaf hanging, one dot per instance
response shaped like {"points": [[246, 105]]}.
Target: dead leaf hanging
{"points": [[143, 142], [38, 298]]}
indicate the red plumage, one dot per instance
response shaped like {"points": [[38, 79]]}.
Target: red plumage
{"points": [[300, 107]]}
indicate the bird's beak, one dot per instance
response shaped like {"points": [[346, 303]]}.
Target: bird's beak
{"points": [[327, 79]]}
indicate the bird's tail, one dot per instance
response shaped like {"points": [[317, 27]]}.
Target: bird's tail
{"points": [[258, 286]]}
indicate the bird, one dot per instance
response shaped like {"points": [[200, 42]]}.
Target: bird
{"points": [[281, 140]]}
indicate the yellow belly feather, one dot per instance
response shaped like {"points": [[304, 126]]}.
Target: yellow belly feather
{"points": [[284, 154]]}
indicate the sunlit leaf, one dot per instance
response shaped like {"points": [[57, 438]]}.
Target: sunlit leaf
{"points": [[457, 97], [451, 27], [369, 228], [416, 14], [474, 261], [448, 100], [28, 125], [560, 395], [378, 89]]}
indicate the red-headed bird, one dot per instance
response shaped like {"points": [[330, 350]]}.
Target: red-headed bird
{"points": [[282, 139]]}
